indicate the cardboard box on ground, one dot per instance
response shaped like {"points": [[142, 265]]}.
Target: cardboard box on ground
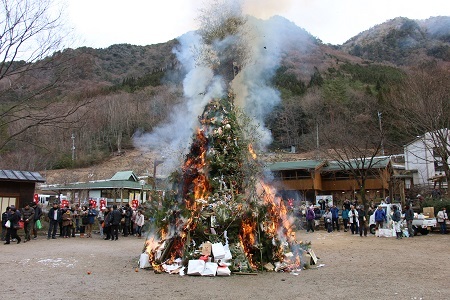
{"points": [[428, 212]]}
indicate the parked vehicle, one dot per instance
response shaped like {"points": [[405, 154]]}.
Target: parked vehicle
{"points": [[420, 224]]}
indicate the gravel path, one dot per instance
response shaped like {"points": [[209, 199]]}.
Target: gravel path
{"points": [[354, 268]]}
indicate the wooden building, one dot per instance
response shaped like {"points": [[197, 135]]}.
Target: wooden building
{"points": [[122, 188], [306, 179], [17, 187]]}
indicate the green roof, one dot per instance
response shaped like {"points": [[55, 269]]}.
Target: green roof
{"points": [[295, 165], [125, 175], [98, 185], [120, 180]]}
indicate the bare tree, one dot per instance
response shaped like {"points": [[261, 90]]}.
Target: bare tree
{"points": [[420, 106], [349, 133], [30, 70]]}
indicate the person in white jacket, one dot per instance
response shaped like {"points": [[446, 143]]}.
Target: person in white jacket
{"points": [[353, 219], [442, 218], [139, 223]]}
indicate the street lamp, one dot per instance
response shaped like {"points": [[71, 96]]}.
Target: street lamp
{"points": [[142, 183], [155, 164]]}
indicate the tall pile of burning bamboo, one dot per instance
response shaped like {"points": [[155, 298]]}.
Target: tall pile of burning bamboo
{"points": [[223, 213]]}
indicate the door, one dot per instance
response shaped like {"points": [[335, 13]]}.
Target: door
{"points": [[8, 201]]}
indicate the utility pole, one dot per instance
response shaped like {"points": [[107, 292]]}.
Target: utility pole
{"points": [[317, 135], [73, 147], [381, 132], [155, 164]]}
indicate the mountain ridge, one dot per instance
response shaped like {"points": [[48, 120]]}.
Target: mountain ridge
{"points": [[129, 87]]}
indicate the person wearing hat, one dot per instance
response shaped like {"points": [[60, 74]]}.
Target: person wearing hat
{"points": [[28, 221]]}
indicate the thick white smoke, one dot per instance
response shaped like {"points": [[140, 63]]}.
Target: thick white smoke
{"points": [[171, 139], [263, 41]]}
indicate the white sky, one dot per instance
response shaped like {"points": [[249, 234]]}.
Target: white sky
{"points": [[101, 23]]}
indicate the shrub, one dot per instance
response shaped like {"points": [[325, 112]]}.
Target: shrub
{"points": [[438, 204]]}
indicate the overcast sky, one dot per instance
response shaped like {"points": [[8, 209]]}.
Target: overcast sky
{"points": [[101, 23]]}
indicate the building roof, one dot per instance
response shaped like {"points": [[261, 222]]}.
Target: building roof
{"points": [[98, 185], [295, 165], [124, 175], [13, 175], [379, 162], [120, 180]]}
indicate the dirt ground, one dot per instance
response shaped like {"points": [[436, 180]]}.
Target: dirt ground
{"points": [[353, 268]]}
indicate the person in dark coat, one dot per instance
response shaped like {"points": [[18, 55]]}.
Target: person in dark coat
{"points": [[115, 218], [396, 219], [91, 213], [54, 217], [28, 220], [127, 213], [107, 223], [14, 219], [362, 221], [5, 215], [37, 216], [310, 216], [335, 217], [409, 217], [318, 215]]}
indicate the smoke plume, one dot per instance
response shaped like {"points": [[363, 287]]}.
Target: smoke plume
{"points": [[225, 38]]}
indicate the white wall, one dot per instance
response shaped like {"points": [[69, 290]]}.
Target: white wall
{"points": [[95, 194], [419, 156]]}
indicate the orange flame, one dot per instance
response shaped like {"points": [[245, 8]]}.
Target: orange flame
{"points": [[247, 239]]}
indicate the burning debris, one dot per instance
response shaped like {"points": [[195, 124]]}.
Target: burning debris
{"points": [[223, 218]]}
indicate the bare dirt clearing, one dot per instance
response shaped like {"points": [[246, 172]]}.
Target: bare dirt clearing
{"points": [[354, 268]]}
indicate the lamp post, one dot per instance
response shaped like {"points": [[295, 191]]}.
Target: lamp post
{"points": [[142, 183], [155, 164]]}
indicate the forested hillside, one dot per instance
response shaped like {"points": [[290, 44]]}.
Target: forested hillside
{"points": [[124, 89], [403, 41]]}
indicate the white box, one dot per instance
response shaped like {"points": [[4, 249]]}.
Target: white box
{"points": [[210, 269], [223, 271], [218, 251], [144, 261], [196, 267]]}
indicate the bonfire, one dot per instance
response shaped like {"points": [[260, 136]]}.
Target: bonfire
{"points": [[222, 217]]}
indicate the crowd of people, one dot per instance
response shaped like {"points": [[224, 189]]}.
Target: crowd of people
{"points": [[69, 222], [127, 221], [356, 219]]}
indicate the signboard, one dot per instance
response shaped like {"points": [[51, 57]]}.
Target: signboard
{"points": [[324, 201]]}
